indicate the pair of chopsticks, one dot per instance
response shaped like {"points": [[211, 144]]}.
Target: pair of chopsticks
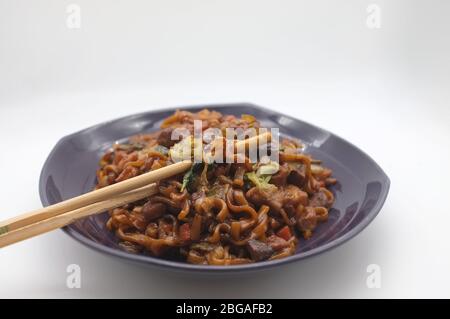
{"points": [[64, 213]]}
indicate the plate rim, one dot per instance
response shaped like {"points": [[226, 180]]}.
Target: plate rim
{"points": [[180, 266]]}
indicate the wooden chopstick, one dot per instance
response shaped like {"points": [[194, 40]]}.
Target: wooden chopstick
{"points": [[65, 219], [61, 214], [98, 195]]}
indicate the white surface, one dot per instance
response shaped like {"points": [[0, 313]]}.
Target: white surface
{"points": [[385, 90]]}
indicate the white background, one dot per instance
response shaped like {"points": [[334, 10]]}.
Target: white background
{"points": [[385, 90]]}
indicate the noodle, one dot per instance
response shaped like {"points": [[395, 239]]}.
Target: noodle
{"points": [[217, 213]]}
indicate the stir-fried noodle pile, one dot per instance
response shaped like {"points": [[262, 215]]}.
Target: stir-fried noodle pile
{"points": [[217, 213]]}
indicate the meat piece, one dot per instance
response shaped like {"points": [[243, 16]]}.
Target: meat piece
{"points": [[321, 199], [220, 169], [291, 195], [280, 178], [287, 196], [306, 221], [152, 230], [277, 243], [297, 175], [152, 211], [165, 137], [258, 195], [259, 250]]}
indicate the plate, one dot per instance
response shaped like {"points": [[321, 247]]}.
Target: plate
{"points": [[362, 189]]}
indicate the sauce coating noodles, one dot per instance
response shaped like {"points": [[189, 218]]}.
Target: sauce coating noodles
{"points": [[218, 213]]}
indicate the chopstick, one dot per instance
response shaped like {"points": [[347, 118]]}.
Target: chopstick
{"points": [[65, 219], [94, 196], [61, 214]]}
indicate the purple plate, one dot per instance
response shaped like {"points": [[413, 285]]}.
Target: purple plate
{"points": [[362, 189]]}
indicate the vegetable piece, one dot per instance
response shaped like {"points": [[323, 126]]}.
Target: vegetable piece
{"points": [[161, 149], [259, 181], [262, 174], [284, 233], [185, 232], [248, 118], [189, 177], [268, 169], [182, 150]]}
